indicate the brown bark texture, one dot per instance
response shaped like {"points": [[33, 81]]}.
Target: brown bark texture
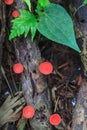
{"points": [[80, 22], [34, 85], [2, 27], [80, 112]]}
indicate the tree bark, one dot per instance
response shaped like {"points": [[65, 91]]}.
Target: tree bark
{"points": [[80, 22], [2, 27], [80, 112], [34, 84]]}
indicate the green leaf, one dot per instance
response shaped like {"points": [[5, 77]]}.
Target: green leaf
{"points": [[33, 32], [23, 24], [28, 4], [43, 3], [85, 2], [22, 124], [56, 25]]}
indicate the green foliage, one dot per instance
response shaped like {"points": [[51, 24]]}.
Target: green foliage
{"points": [[82, 5], [23, 24], [22, 126], [28, 4], [85, 2], [43, 3], [56, 25]]}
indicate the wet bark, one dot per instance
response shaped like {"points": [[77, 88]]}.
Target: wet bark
{"points": [[34, 84]]}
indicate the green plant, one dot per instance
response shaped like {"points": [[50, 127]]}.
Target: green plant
{"points": [[51, 20], [83, 4]]}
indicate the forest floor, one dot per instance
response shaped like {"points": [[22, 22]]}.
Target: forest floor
{"points": [[64, 82]]}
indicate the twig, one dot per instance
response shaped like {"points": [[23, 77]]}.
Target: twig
{"points": [[3, 72]]}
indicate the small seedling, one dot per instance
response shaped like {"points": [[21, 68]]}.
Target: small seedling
{"points": [[82, 5]]}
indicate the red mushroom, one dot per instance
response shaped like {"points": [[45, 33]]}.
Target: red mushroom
{"points": [[8, 2], [55, 119], [15, 14], [28, 112], [18, 68], [46, 68]]}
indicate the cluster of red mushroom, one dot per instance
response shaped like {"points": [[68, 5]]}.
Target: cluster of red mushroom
{"points": [[45, 68], [15, 13], [28, 112]]}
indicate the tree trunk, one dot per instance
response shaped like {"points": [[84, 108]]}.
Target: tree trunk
{"points": [[34, 84], [80, 22], [80, 112]]}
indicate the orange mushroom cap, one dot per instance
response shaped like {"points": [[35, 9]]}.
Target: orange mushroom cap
{"points": [[46, 68], [28, 112], [18, 68], [8, 2], [15, 14], [55, 119]]}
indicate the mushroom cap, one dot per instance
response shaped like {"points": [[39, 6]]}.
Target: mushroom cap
{"points": [[55, 119], [8, 2], [28, 112], [46, 68], [18, 68], [15, 14]]}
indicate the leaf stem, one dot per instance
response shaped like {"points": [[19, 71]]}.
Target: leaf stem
{"points": [[78, 8]]}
